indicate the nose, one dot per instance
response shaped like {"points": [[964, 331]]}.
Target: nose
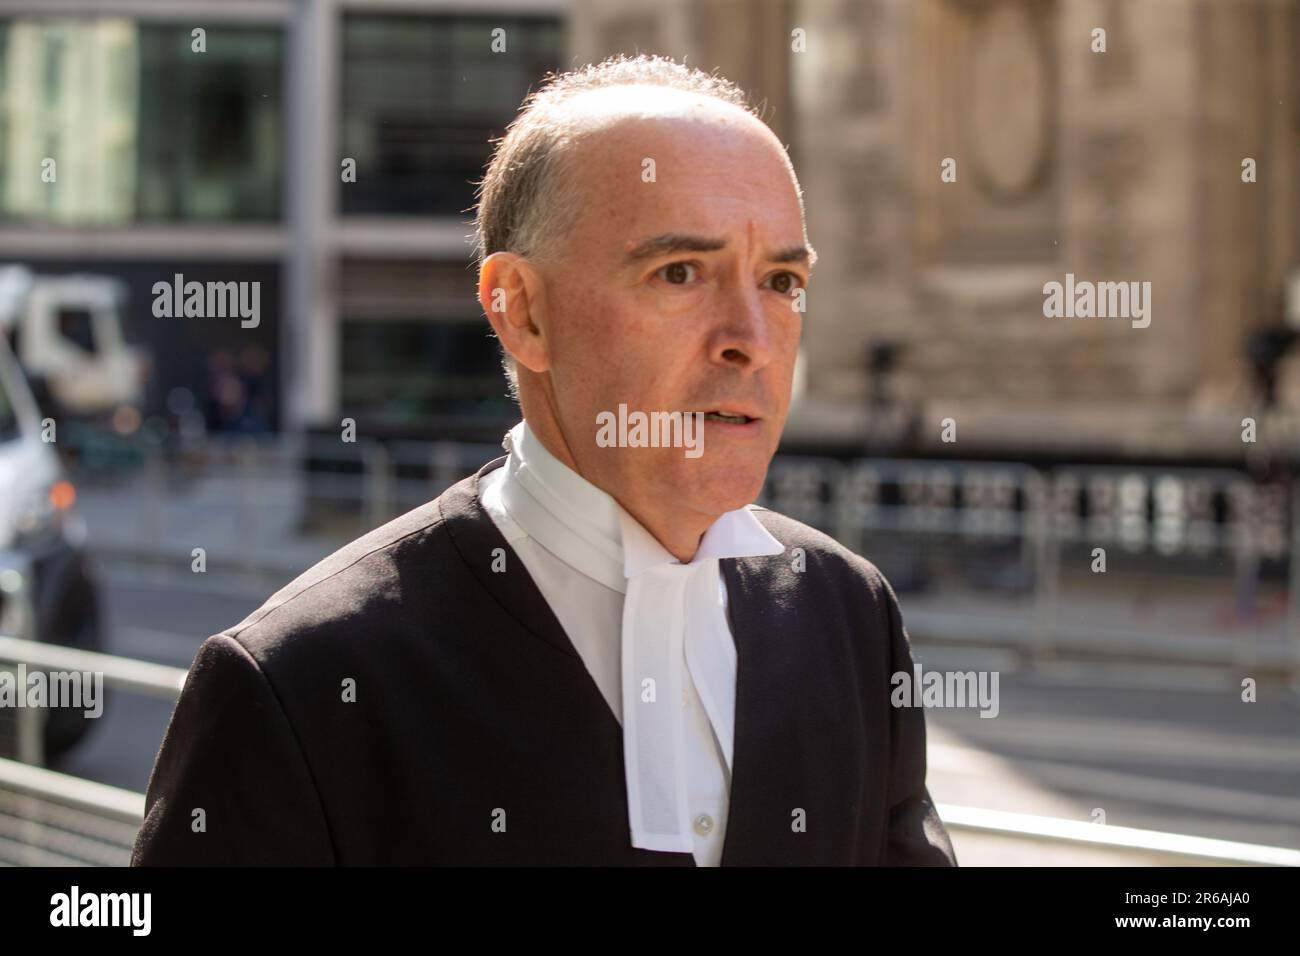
{"points": [[743, 339]]}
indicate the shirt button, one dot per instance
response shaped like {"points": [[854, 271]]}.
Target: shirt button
{"points": [[704, 824]]}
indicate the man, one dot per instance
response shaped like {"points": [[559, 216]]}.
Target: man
{"points": [[593, 651]]}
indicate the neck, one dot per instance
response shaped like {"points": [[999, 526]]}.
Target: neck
{"points": [[679, 533]]}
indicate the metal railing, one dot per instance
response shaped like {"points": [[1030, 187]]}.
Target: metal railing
{"points": [[1171, 848], [1008, 555], [21, 647], [987, 553], [55, 818], [140, 677]]}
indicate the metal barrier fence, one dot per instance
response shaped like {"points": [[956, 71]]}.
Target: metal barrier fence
{"points": [[53, 819], [998, 553], [1201, 564], [49, 818], [265, 501]]}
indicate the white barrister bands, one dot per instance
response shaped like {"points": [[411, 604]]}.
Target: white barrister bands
{"points": [[635, 614], [711, 653], [654, 749]]}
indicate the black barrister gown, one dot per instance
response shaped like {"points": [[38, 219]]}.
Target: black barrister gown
{"points": [[402, 702]]}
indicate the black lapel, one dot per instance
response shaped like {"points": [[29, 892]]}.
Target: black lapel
{"points": [[475, 535], [747, 728], [791, 748], [767, 722]]}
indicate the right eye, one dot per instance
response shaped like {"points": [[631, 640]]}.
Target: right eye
{"points": [[677, 273]]}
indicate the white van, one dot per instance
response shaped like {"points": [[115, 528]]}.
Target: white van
{"points": [[67, 334], [47, 588]]}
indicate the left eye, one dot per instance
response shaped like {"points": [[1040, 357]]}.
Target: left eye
{"points": [[785, 282], [677, 273]]}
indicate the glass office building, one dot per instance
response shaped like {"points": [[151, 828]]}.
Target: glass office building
{"points": [[212, 139]]}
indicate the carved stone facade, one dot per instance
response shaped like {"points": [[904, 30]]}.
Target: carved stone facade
{"points": [[1123, 165]]}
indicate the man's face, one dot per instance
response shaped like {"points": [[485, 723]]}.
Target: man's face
{"points": [[677, 295]]}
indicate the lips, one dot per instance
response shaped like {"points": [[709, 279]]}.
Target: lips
{"points": [[728, 414]]}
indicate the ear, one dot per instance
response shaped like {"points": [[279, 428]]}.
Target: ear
{"points": [[513, 297]]}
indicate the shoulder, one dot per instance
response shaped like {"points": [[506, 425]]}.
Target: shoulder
{"points": [[822, 554], [364, 589], [817, 586]]}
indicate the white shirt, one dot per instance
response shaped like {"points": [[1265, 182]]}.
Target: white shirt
{"points": [[585, 553]]}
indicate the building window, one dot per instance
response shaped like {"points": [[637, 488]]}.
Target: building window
{"points": [[422, 96], [210, 130], [77, 327], [406, 372], [105, 121]]}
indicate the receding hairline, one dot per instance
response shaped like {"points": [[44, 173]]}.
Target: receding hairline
{"points": [[649, 105], [583, 127], [531, 187], [617, 103]]}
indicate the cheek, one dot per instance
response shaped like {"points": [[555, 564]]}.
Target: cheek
{"points": [[796, 336], [787, 329], [590, 319], [629, 336], [598, 358], [578, 336], [612, 346]]}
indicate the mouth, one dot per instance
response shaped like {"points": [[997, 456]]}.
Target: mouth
{"points": [[729, 416]]}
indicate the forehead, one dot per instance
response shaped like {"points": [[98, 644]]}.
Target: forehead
{"points": [[649, 164]]}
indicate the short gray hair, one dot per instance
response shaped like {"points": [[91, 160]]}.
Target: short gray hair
{"points": [[525, 204]]}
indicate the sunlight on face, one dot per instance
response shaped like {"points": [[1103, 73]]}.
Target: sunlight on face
{"points": [[675, 292]]}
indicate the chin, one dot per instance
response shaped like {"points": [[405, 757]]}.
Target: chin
{"points": [[718, 489]]}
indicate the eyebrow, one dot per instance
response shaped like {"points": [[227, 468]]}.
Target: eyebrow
{"points": [[670, 242]]}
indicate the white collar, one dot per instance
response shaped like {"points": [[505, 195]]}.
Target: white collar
{"points": [[588, 529]]}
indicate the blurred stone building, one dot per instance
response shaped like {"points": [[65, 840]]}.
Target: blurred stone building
{"points": [[927, 303], [1122, 165]]}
